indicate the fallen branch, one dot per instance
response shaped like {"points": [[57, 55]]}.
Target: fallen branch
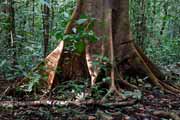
{"points": [[166, 114], [64, 103]]}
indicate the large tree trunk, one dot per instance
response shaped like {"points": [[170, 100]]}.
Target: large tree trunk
{"points": [[113, 28], [126, 54]]}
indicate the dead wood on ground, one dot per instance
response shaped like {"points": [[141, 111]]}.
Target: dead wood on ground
{"points": [[66, 103]]}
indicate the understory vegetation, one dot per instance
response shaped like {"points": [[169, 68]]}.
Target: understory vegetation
{"points": [[31, 29]]}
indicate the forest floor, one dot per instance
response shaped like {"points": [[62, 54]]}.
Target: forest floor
{"points": [[150, 107], [149, 104]]}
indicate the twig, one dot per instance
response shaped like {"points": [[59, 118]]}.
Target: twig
{"points": [[5, 91]]}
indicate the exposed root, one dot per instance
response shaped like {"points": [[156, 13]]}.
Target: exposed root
{"points": [[169, 87], [126, 83], [153, 78], [175, 86], [115, 91], [92, 71], [166, 115]]}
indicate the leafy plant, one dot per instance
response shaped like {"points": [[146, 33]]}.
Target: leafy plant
{"points": [[81, 33], [33, 84], [71, 89], [97, 92], [135, 94]]}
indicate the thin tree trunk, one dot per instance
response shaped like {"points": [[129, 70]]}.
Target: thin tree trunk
{"points": [[46, 14], [33, 17], [11, 30], [52, 14], [164, 20], [141, 25]]}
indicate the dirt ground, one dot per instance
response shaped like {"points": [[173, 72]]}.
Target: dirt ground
{"points": [[153, 105]]}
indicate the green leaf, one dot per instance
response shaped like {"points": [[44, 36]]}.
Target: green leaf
{"points": [[67, 37], [80, 47], [29, 48], [92, 37], [106, 79], [135, 94], [2, 63], [81, 21], [66, 14], [58, 35]]}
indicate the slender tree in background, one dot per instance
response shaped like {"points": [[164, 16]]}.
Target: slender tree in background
{"points": [[46, 16], [33, 16], [11, 29], [141, 25], [52, 14], [139, 7], [165, 7]]}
